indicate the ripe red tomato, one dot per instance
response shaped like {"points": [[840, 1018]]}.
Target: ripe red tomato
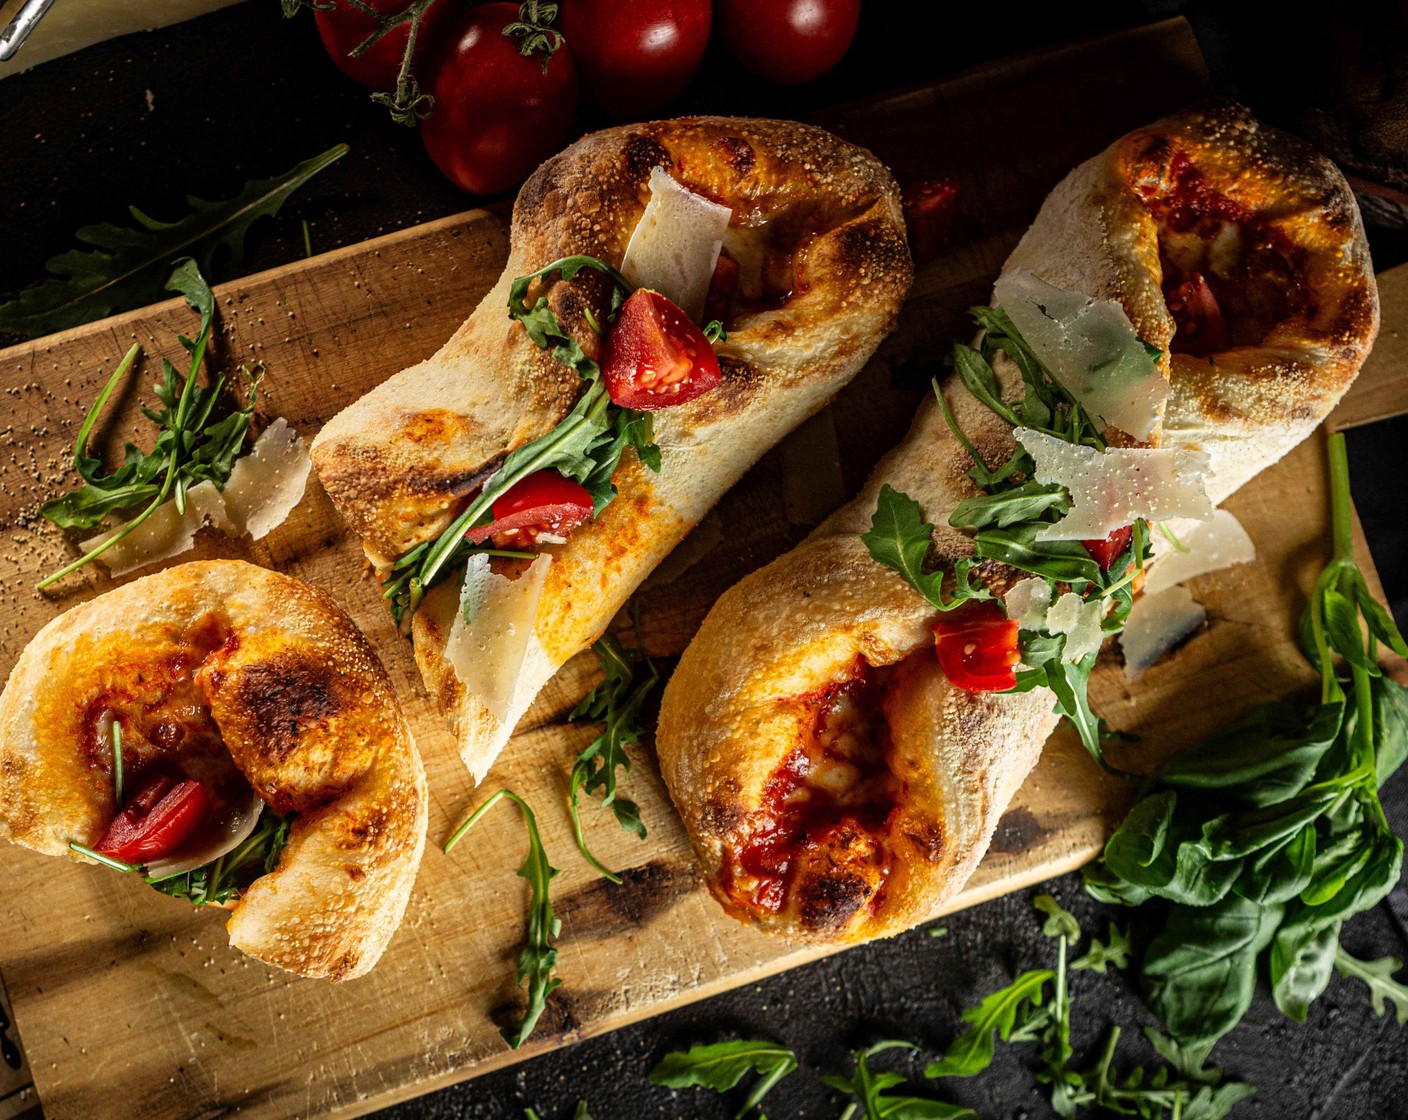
{"points": [[155, 822], [343, 28], [788, 41], [655, 357], [929, 209], [497, 114], [544, 502], [1109, 549], [977, 647], [635, 58]]}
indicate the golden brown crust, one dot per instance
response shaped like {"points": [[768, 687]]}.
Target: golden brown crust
{"points": [[303, 706], [400, 462], [728, 718]]}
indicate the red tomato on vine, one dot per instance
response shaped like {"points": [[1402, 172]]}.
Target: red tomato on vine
{"points": [[638, 57]]}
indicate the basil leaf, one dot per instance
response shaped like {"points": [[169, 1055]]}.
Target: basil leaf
{"points": [[1376, 615], [1390, 708], [1281, 872], [1137, 852], [1200, 971], [1232, 835], [1342, 628], [1267, 757]]}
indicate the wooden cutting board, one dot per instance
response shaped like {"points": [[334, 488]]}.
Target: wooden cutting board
{"points": [[92, 960]]}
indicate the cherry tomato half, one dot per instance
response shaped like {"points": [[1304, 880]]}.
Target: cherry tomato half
{"points": [[977, 647], [156, 822], [655, 357], [343, 29], [497, 114], [788, 41], [544, 502], [635, 58], [1105, 552]]}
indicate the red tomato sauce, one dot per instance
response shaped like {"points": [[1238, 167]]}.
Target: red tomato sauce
{"points": [[1229, 276], [837, 777]]}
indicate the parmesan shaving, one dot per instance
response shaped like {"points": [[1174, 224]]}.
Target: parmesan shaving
{"points": [[1156, 624], [1209, 546], [166, 533], [1115, 488], [1091, 347], [1028, 601], [267, 484], [676, 243], [487, 653], [1079, 620]]}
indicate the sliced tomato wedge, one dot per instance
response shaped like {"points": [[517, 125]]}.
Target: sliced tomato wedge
{"points": [[543, 504], [929, 210], [157, 821], [977, 647], [1201, 329], [655, 357], [1106, 551]]}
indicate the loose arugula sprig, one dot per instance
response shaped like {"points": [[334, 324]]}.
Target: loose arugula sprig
{"points": [[191, 448], [1020, 1013], [129, 267], [221, 881], [1006, 518], [1261, 842], [1378, 975], [538, 958], [722, 1065], [586, 445], [617, 701], [874, 1103]]}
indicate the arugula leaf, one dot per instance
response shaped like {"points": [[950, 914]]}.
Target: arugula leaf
{"points": [[722, 1065], [617, 702], [128, 266], [188, 449], [900, 538], [224, 880], [1060, 922], [869, 1089], [1003, 1012], [1029, 501], [1101, 954], [1378, 975], [538, 958]]}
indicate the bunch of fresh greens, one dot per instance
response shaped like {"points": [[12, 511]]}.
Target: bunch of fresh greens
{"points": [[1006, 518], [617, 702], [128, 267], [192, 446], [586, 445], [223, 880], [538, 958], [722, 1065], [1261, 842], [1022, 1012]]}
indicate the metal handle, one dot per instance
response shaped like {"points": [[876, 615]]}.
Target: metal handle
{"points": [[18, 29]]}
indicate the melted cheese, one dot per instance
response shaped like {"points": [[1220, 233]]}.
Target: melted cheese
{"points": [[676, 243], [1156, 624], [1091, 347], [487, 652], [267, 484], [1113, 489], [1210, 546]]}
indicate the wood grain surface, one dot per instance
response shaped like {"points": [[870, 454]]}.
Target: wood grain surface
{"points": [[92, 960]]}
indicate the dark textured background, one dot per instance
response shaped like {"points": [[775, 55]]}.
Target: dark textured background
{"points": [[201, 107]]}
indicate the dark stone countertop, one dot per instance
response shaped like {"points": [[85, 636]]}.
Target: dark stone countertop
{"points": [[200, 107]]}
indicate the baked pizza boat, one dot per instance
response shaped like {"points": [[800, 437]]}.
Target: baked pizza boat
{"points": [[850, 722], [227, 733], [512, 491]]}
